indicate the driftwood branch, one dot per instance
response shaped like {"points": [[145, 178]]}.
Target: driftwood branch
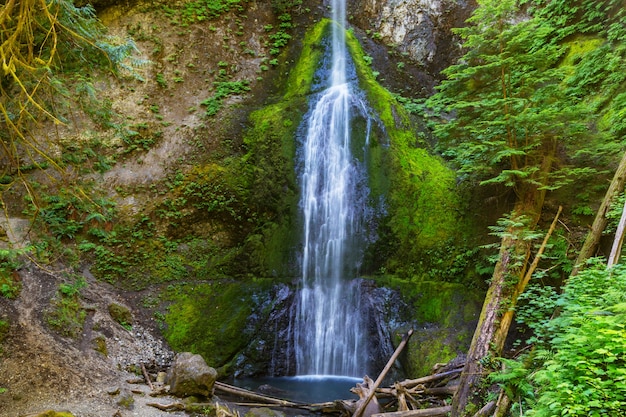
{"points": [[486, 410], [168, 407], [363, 405], [409, 383], [243, 393]]}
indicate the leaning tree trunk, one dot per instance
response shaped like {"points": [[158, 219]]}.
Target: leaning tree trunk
{"points": [[600, 221], [506, 285]]}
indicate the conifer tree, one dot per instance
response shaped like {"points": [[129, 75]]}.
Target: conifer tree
{"points": [[508, 117]]}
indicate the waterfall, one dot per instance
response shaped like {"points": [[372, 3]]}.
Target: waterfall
{"points": [[328, 329]]}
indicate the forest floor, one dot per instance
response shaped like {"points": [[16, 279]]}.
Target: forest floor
{"points": [[41, 370]]}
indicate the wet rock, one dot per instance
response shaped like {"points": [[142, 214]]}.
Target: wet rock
{"points": [[190, 375]]}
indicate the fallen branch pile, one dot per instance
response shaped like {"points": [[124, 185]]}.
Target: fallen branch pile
{"points": [[426, 396]]}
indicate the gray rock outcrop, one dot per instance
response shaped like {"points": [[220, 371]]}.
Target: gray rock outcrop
{"points": [[420, 29], [190, 375]]}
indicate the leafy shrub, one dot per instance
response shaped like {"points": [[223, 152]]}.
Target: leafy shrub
{"points": [[224, 89], [581, 363]]}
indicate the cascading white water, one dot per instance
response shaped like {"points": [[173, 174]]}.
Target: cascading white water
{"points": [[328, 329]]}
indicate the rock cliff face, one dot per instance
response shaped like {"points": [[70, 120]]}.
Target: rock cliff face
{"points": [[419, 29]]}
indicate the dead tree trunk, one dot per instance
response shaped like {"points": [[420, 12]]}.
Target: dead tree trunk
{"points": [[616, 250]]}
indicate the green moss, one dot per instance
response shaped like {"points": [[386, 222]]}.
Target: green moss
{"points": [[5, 326], [66, 314], [100, 345], [4, 329], [419, 187], [301, 75], [578, 47], [52, 413], [210, 319], [428, 347]]}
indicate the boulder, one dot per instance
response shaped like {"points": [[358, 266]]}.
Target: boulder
{"points": [[190, 375]]}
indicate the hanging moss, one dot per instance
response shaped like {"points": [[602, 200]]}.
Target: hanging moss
{"points": [[270, 162]]}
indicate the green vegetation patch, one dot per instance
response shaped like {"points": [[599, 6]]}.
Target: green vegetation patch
{"points": [[121, 314], [10, 284], [577, 366], [199, 10], [66, 314], [5, 327], [224, 89], [52, 413]]}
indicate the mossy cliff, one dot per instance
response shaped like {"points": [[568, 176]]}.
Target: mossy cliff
{"points": [[412, 191]]}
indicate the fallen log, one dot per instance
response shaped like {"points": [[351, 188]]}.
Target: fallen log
{"points": [[424, 412], [260, 400], [408, 383], [244, 393], [440, 391]]}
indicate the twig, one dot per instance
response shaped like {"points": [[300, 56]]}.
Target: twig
{"points": [[424, 412], [145, 375]]}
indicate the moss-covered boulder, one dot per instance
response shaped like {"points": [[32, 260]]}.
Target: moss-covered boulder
{"points": [[190, 375], [121, 314]]}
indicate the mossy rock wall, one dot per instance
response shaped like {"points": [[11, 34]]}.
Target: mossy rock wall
{"points": [[211, 318], [412, 192], [419, 189], [444, 317], [416, 189]]}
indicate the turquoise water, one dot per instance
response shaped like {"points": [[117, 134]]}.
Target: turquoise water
{"points": [[309, 389]]}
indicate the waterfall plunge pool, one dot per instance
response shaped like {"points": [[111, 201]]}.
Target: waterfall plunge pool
{"points": [[309, 389]]}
